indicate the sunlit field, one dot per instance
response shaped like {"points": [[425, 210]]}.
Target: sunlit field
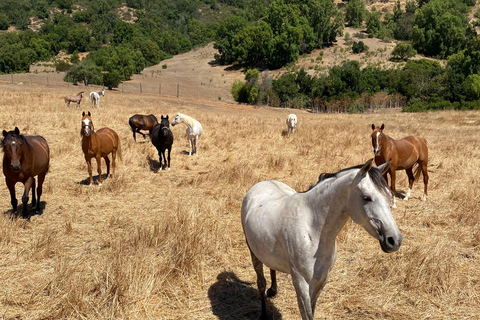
{"points": [[151, 244]]}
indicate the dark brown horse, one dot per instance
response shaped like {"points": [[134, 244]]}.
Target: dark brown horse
{"points": [[25, 157], [141, 122], [162, 139], [404, 153], [99, 145]]}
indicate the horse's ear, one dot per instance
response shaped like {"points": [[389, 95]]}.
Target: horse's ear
{"points": [[367, 166], [89, 114], [161, 116], [5, 133], [373, 126], [384, 167], [382, 127], [167, 117], [83, 114], [17, 131]]}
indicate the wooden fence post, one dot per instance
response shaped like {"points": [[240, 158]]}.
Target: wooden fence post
{"points": [[178, 89], [140, 87], [159, 88]]}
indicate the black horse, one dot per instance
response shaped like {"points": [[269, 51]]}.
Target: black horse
{"points": [[162, 138]]}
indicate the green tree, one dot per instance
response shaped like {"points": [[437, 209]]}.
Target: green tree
{"points": [[374, 23], [440, 28], [471, 86], [355, 13], [403, 52]]}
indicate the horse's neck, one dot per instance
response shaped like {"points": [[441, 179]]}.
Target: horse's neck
{"points": [[329, 202]]}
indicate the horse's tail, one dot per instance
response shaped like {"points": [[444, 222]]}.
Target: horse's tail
{"points": [[119, 150], [417, 172]]}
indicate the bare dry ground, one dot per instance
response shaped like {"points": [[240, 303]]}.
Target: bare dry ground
{"points": [[169, 245]]}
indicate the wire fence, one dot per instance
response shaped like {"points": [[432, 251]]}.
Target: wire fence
{"points": [[153, 86]]}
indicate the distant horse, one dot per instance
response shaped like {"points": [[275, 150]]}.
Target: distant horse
{"points": [[77, 99], [162, 138], [404, 153], [295, 232], [99, 145], [291, 123], [141, 122], [95, 97], [194, 130], [24, 158]]}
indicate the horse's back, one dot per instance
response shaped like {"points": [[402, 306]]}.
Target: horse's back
{"points": [[413, 147], [108, 138]]}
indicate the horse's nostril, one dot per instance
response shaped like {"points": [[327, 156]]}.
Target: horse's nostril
{"points": [[391, 241]]}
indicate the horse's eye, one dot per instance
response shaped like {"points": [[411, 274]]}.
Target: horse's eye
{"points": [[367, 199]]}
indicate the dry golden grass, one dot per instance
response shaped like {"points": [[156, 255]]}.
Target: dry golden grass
{"points": [[169, 245]]}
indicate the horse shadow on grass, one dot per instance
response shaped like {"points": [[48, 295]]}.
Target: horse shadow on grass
{"points": [[86, 181], [153, 164], [232, 298], [31, 212]]}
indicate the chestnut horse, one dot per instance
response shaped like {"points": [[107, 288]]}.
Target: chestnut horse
{"points": [[99, 145], [141, 122], [404, 153], [24, 158]]}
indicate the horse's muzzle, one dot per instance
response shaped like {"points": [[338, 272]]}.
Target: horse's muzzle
{"points": [[390, 243], [16, 167], [377, 152]]}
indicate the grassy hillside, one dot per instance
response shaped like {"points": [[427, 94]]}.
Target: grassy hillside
{"points": [[169, 245]]}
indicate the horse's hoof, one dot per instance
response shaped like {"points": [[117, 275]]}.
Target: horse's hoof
{"points": [[168, 168], [99, 184], [405, 199]]}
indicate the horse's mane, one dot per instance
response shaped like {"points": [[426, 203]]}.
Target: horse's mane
{"points": [[11, 134], [374, 174]]}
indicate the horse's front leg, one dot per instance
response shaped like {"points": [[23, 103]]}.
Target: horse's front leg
{"points": [[304, 300], [99, 169], [89, 164], [392, 174], [28, 185], [162, 162], [190, 142], [168, 158], [13, 199]]}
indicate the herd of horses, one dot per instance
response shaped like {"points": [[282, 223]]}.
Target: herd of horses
{"points": [[286, 231], [94, 98]]}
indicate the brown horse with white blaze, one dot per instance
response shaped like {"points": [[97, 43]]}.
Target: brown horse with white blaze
{"points": [[24, 158], [99, 145], [404, 153]]}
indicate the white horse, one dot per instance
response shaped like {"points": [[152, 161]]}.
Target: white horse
{"points": [[291, 123], [95, 97], [194, 130], [295, 232]]}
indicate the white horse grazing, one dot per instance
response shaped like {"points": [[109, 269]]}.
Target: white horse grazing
{"points": [[95, 97], [291, 123], [194, 130], [295, 232]]}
